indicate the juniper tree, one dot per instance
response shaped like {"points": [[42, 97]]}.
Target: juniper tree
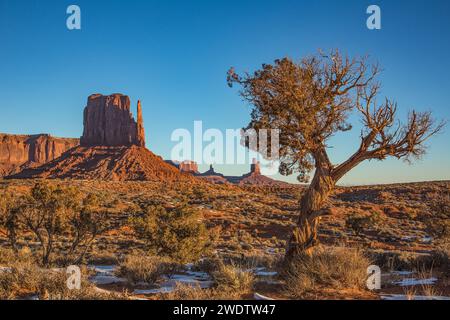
{"points": [[309, 102]]}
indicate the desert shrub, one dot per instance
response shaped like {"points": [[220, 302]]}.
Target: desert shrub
{"points": [[24, 280], [393, 260], [233, 279], [441, 258], [440, 207], [230, 283], [138, 268], [208, 265], [402, 260], [337, 268], [103, 258], [22, 277], [439, 229], [177, 233], [8, 256], [50, 211], [187, 292], [200, 194], [10, 207], [256, 260], [358, 223]]}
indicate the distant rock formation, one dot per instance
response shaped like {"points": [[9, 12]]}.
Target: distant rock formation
{"points": [[18, 152], [109, 122], [214, 177], [254, 177], [189, 167], [112, 148], [255, 167], [211, 172]]}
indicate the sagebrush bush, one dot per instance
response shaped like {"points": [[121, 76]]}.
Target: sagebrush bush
{"points": [[138, 268], [26, 279], [359, 222], [231, 278], [184, 291], [441, 258], [177, 233], [49, 211], [331, 268]]}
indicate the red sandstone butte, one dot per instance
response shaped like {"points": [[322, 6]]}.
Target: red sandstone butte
{"points": [[112, 148], [189, 167], [18, 152], [109, 122]]}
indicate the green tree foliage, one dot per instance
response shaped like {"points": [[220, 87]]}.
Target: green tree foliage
{"points": [[51, 211], [177, 233]]}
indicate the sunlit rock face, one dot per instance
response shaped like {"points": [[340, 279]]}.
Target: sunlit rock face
{"points": [[24, 151], [108, 122]]}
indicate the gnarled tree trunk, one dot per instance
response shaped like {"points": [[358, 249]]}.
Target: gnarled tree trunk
{"points": [[304, 235]]}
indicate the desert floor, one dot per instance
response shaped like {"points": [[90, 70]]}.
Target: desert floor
{"points": [[402, 228]]}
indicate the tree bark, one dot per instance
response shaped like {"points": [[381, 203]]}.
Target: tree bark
{"points": [[304, 235]]}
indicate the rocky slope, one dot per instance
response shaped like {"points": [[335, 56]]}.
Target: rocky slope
{"points": [[107, 163], [18, 152]]}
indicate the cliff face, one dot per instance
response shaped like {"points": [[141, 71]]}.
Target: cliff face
{"points": [[24, 151], [109, 122]]}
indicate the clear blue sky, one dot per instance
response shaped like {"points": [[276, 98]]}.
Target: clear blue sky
{"points": [[173, 55]]}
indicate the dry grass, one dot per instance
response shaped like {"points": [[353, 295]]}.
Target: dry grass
{"points": [[23, 280], [410, 293], [187, 292], [337, 268], [139, 268], [254, 224], [441, 258], [428, 290], [233, 280]]}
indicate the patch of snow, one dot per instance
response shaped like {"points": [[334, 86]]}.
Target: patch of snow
{"points": [[427, 239], [153, 291], [106, 279], [404, 297], [204, 284], [398, 273], [415, 282], [198, 275], [258, 296], [409, 238], [105, 275], [104, 269], [191, 278], [34, 297], [262, 272], [189, 265], [266, 273], [402, 273]]}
